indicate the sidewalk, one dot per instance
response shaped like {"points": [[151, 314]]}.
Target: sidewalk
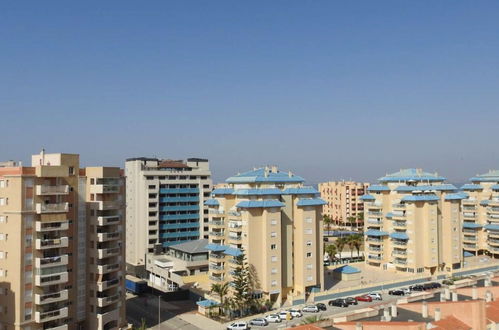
{"points": [[201, 321]]}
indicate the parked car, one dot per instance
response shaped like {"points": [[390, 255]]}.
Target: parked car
{"points": [[284, 315], [396, 292], [273, 318], [436, 285], [375, 295], [417, 287], [259, 321], [338, 302], [406, 290], [327, 263], [448, 282], [310, 309], [238, 326], [427, 286], [321, 306], [364, 298], [295, 313], [351, 301]]}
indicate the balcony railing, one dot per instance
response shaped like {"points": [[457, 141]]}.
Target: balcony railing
{"points": [[107, 205], [50, 226], [216, 278], [51, 297], [398, 206], [107, 284], [217, 267], [216, 233], [374, 221], [51, 261], [399, 224], [370, 256], [42, 190], [399, 243], [51, 279], [108, 220], [236, 238], [102, 237], [50, 316], [217, 256], [400, 261], [52, 208], [104, 301], [42, 244], [216, 222], [376, 240], [400, 252], [103, 253], [102, 269]]}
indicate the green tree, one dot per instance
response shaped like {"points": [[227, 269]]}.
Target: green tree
{"points": [[327, 221], [340, 244], [331, 251], [357, 241], [241, 283], [349, 242], [351, 221], [312, 319], [221, 290]]}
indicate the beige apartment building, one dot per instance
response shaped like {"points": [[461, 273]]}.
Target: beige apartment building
{"points": [[61, 253], [480, 213], [343, 201], [413, 223], [277, 222]]}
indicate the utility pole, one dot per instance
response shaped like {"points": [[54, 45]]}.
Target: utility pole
{"points": [[159, 312]]}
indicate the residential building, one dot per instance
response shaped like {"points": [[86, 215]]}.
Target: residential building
{"points": [[55, 270], [276, 221], [181, 266], [481, 215], [165, 206], [413, 223], [343, 202]]}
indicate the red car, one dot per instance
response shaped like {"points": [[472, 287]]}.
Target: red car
{"points": [[364, 298]]}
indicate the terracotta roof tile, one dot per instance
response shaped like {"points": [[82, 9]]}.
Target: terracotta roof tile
{"points": [[450, 323], [172, 164]]}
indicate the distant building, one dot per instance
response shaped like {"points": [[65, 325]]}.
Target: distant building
{"points": [[413, 223], [481, 215], [343, 201], [61, 245], [277, 222], [165, 206]]}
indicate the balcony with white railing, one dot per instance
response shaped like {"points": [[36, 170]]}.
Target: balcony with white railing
{"points": [[398, 214], [399, 243], [374, 257], [470, 246], [216, 223], [41, 317], [374, 240], [469, 215], [398, 252], [398, 261], [51, 279], [103, 269], [104, 285], [51, 261], [468, 238], [52, 208], [105, 188], [109, 205], [53, 225], [104, 301], [48, 298], [399, 206], [216, 278], [45, 190], [52, 243], [216, 233], [108, 220], [109, 252], [399, 224], [111, 236], [374, 222], [60, 327]]}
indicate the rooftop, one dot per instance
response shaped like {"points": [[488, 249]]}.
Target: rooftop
{"points": [[265, 174], [411, 174], [191, 247]]}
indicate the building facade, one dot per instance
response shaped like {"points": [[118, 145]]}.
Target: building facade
{"points": [[343, 201], [48, 257], [165, 206], [413, 223], [277, 222], [481, 215]]}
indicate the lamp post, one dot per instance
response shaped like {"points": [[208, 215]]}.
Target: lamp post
{"points": [[159, 312]]}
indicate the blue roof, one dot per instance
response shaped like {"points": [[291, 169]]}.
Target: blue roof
{"points": [[471, 225], [420, 198], [211, 202], [491, 227], [491, 176], [261, 203], [310, 202], [215, 247], [268, 191], [233, 252], [375, 232], [411, 174], [207, 303], [399, 235], [378, 187], [367, 198], [484, 202], [346, 270], [471, 186], [437, 187], [263, 175], [456, 196], [389, 215], [468, 254], [495, 187], [222, 191], [301, 191]]}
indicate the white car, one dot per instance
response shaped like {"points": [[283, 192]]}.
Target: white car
{"points": [[310, 309], [406, 290], [295, 313], [238, 326], [273, 318], [284, 315], [375, 295]]}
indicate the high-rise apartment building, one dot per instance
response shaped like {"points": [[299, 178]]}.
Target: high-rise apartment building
{"points": [[413, 223], [277, 222], [61, 258], [165, 205], [343, 201], [481, 215]]}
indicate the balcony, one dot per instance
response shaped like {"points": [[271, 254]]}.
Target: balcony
{"points": [[399, 224], [217, 255], [217, 266], [469, 231], [105, 188], [104, 253], [104, 237], [375, 214], [104, 318], [43, 280], [48, 298], [399, 243], [103, 269], [104, 301], [41, 317], [216, 223], [109, 205], [216, 278], [398, 214], [45, 190], [60, 327], [42, 244], [399, 252], [101, 286], [470, 246], [235, 238], [468, 201], [398, 206], [50, 226], [374, 257], [52, 208], [469, 208], [469, 215], [374, 248], [216, 233], [374, 222], [374, 240], [400, 262], [108, 220], [469, 239], [51, 261], [493, 209]]}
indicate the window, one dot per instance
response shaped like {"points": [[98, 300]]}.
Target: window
{"points": [[3, 255], [308, 231], [309, 266], [308, 220], [273, 283], [309, 254], [273, 234], [27, 314], [310, 278], [273, 222], [309, 243], [3, 219], [149, 178], [152, 186], [3, 273], [273, 246], [3, 183], [3, 237], [71, 170], [273, 258], [273, 271], [3, 201]]}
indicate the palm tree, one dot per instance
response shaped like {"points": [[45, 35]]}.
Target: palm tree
{"points": [[349, 242], [221, 290], [360, 217], [357, 241], [351, 220], [340, 244], [327, 221], [331, 251]]}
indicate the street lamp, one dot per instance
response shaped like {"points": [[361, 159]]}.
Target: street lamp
{"points": [[159, 312]]}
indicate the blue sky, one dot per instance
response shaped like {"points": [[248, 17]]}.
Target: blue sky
{"points": [[328, 89]]}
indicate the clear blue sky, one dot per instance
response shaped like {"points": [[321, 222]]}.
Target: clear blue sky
{"points": [[328, 89]]}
